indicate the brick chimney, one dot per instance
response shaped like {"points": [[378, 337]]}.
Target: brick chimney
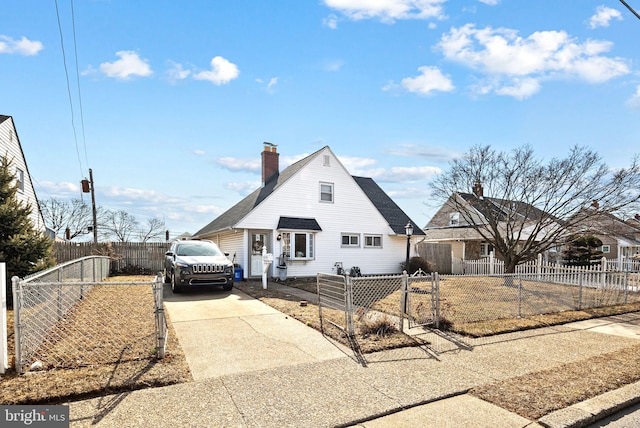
{"points": [[478, 190], [270, 163]]}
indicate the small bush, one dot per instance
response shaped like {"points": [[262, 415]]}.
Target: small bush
{"points": [[416, 263], [379, 325]]}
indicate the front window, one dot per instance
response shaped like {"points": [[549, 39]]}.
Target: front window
{"points": [[454, 219], [298, 245], [486, 249], [350, 240], [373, 241], [326, 192], [606, 249]]}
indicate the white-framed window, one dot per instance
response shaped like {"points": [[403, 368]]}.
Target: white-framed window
{"points": [[373, 241], [606, 249], [350, 240], [20, 179], [298, 245], [454, 219], [486, 249], [326, 192]]}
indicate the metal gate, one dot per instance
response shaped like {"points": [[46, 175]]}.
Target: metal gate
{"points": [[422, 300]]}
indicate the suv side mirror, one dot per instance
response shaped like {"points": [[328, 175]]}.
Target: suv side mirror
{"points": [[169, 253]]}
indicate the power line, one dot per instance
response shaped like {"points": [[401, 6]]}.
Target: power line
{"points": [[66, 72], [630, 9], [75, 51]]}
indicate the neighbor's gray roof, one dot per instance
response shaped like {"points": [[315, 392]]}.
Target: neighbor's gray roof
{"points": [[3, 118], [391, 212]]}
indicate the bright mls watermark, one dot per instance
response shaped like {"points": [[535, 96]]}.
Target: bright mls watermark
{"points": [[34, 416]]}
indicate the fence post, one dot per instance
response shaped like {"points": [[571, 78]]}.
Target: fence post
{"points": [[626, 285], [17, 322], [403, 298], [580, 291], [349, 303], [519, 296], [437, 293], [491, 263], [4, 356], [161, 325]]}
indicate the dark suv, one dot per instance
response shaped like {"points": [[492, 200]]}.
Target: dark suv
{"points": [[197, 263]]}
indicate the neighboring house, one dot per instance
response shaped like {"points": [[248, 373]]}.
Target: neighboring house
{"points": [[10, 147], [453, 222], [311, 216], [620, 238]]}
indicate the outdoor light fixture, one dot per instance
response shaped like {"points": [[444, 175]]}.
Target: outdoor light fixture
{"points": [[279, 237], [409, 231]]}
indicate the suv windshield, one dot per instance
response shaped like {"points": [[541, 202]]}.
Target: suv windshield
{"points": [[203, 249]]}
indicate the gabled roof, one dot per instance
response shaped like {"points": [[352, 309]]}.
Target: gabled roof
{"points": [[501, 209], [3, 118], [389, 210]]}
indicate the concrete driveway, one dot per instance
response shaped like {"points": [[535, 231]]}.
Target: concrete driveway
{"points": [[229, 332]]}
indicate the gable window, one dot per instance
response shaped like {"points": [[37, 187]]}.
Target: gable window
{"points": [[350, 240], [326, 160], [486, 249], [454, 219], [606, 249], [373, 241], [20, 179], [298, 245], [326, 192]]}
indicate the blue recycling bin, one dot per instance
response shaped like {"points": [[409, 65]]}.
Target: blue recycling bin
{"points": [[237, 274]]}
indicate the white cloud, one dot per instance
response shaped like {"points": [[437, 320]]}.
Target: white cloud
{"points": [[23, 46], [129, 64], [518, 64], [331, 21], [240, 164], [332, 66], [388, 10], [222, 72], [354, 163], [244, 187], [490, 2], [520, 88], [401, 174], [430, 80], [634, 101], [435, 154], [603, 17], [177, 72]]}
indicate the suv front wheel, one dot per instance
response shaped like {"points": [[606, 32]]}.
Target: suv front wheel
{"points": [[176, 288]]}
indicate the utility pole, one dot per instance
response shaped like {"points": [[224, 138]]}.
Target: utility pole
{"points": [[93, 207]]}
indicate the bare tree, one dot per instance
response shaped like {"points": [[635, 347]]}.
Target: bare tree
{"points": [[119, 224], [523, 206], [154, 230], [60, 215]]}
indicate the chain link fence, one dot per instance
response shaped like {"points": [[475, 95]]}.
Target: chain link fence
{"points": [[445, 304], [68, 317]]}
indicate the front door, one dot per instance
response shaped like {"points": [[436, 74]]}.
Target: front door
{"points": [[258, 240]]}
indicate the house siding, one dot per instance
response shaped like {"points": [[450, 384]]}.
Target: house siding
{"points": [[10, 147], [350, 212]]}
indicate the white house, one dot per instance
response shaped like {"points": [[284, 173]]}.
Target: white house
{"points": [[312, 216], [10, 148]]}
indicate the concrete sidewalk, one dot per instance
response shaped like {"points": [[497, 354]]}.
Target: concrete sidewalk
{"points": [[256, 367]]}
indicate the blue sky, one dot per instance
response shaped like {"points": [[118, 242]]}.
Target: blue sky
{"points": [[172, 100]]}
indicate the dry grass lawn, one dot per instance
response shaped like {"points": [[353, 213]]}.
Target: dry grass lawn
{"points": [[532, 396], [137, 368]]}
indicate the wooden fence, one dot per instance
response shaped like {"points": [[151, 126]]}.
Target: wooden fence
{"points": [[126, 257]]}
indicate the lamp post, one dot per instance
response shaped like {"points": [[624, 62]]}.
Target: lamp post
{"points": [[408, 231]]}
